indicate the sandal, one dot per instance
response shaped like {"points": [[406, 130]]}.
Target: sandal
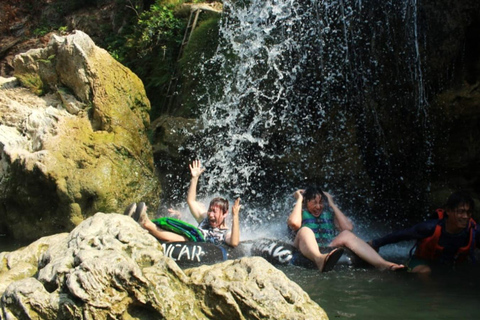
{"points": [[140, 208], [332, 259], [130, 209]]}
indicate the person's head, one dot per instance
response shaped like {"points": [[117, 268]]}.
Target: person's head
{"points": [[217, 212], [314, 200], [459, 209]]}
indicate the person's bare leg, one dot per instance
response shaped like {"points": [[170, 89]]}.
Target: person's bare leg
{"points": [[364, 251], [307, 244], [158, 233]]}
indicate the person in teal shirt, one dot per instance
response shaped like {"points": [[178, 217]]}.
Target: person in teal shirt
{"points": [[318, 222]]}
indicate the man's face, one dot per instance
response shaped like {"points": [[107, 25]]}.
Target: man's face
{"points": [[315, 206], [459, 217], [215, 216]]}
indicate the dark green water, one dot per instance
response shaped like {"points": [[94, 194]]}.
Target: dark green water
{"points": [[11, 245], [365, 294]]}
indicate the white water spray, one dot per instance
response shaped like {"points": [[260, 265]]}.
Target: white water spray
{"points": [[305, 79]]}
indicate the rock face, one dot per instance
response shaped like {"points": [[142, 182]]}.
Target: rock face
{"points": [[77, 146], [108, 267], [170, 135], [458, 147]]}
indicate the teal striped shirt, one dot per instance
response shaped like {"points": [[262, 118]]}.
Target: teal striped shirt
{"points": [[322, 226]]}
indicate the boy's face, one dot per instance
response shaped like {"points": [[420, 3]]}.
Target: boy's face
{"points": [[215, 216]]}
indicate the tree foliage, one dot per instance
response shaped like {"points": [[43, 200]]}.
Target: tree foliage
{"points": [[158, 28], [151, 45]]}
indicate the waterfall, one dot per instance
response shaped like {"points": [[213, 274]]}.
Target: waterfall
{"points": [[324, 92]]}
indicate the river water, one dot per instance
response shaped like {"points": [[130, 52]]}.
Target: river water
{"points": [[6, 244], [365, 294]]}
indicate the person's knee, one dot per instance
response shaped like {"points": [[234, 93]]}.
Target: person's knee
{"points": [[344, 238], [303, 235], [305, 232], [422, 269]]}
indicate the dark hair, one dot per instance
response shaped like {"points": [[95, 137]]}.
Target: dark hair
{"points": [[311, 193], [458, 198], [219, 202]]}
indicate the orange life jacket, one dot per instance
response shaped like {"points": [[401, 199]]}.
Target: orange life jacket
{"points": [[429, 248]]}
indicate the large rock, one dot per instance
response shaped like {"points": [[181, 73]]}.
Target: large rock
{"points": [[110, 268], [252, 288], [77, 147]]}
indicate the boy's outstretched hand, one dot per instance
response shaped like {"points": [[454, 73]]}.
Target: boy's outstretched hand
{"points": [[236, 207], [196, 169]]}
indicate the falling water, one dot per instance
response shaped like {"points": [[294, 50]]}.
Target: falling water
{"points": [[324, 92]]}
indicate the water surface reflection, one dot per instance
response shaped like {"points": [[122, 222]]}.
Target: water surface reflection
{"points": [[371, 294]]}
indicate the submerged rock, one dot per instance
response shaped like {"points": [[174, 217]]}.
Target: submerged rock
{"points": [[75, 142], [110, 268]]}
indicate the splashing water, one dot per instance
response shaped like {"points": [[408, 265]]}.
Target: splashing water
{"points": [[317, 92]]}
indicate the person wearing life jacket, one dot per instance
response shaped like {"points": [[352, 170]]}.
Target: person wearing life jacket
{"points": [[212, 225], [318, 222], [448, 240]]}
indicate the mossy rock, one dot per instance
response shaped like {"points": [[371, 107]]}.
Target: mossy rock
{"points": [[59, 168]]}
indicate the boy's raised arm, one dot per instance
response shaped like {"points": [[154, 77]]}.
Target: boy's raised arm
{"points": [[235, 235], [197, 209]]}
